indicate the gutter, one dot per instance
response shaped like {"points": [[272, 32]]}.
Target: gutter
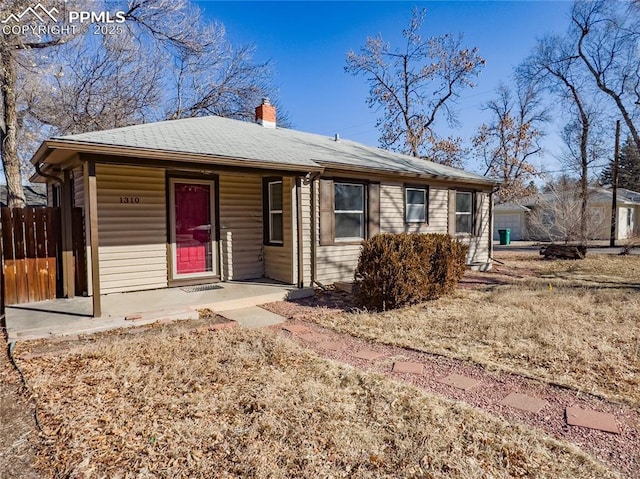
{"points": [[405, 174], [41, 173], [180, 156]]}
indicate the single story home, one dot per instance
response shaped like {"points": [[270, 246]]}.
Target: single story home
{"points": [[207, 199], [34, 195], [555, 216]]}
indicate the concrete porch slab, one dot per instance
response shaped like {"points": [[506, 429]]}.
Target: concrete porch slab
{"points": [[253, 317], [60, 317]]}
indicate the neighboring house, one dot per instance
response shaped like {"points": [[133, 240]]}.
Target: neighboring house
{"points": [[205, 199], [35, 195], [552, 216]]}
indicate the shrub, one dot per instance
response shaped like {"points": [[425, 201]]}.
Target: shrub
{"points": [[395, 270]]}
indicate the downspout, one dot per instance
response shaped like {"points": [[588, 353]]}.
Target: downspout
{"points": [[47, 175], [314, 227], [300, 232]]}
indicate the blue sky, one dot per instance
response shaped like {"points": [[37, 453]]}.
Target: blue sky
{"points": [[308, 41]]}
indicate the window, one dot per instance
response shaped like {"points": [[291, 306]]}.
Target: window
{"points": [[464, 208], [415, 210], [349, 211], [273, 214]]}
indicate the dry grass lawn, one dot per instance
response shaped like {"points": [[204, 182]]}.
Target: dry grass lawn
{"points": [[575, 323], [240, 403]]}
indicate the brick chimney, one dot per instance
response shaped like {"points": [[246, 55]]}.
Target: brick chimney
{"points": [[266, 114]]}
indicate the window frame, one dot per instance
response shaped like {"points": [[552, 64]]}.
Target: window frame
{"points": [[269, 212], [469, 213], [425, 192], [363, 213]]}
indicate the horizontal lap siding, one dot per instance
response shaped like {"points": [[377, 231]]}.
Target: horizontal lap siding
{"points": [[479, 245], [278, 260], [338, 262], [241, 226], [78, 187], [132, 236], [392, 210], [306, 233]]}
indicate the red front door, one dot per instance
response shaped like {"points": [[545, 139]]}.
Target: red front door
{"points": [[192, 228]]}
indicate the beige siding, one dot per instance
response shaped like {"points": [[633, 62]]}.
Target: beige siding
{"points": [[479, 245], [334, 262], [306, 234], [392, 210], [278, 260], [78, 187], [132, 236], [241, 227], [338, 262]]}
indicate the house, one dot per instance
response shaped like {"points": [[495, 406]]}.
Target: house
{"points": [[207, 199], [555, 216], [35, 195]]}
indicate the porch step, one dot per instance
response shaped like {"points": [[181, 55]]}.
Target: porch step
{"points": [[253, 317], [248, 302]]}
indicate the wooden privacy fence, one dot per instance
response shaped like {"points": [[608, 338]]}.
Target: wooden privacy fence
{"points": [[30, 254], [30, 248]]}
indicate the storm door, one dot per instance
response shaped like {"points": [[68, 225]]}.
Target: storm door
{"points": [[192, 228]]}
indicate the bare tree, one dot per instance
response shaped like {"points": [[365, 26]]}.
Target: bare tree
{"points": [[415, 85], [556, 215], [82, 81], [555, 67], [606, 38], [510, 141]]}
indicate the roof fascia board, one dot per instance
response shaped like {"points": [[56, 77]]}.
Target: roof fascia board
{"points": [[146, 153], [171, 165], [395, 174]]}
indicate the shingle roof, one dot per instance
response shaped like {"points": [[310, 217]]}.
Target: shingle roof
{"points": [[35, 195], [227, 138]]}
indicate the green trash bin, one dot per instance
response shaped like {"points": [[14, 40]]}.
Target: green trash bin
{"points": [[505, 236]]}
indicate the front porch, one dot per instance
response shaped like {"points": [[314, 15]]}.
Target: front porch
{"points": [[72, 316]]}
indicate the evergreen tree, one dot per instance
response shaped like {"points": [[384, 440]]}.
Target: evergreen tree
{"points": [[628, 168]]}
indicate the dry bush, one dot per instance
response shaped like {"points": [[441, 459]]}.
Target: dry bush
{"points": [[244, 403], [395, 270], [576, 324], [630, 243]]}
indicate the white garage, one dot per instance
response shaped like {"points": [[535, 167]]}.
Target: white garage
{"points": [[511, 217]]}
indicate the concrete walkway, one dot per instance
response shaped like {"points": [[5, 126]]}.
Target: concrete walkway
{"points": [[62, 317]]}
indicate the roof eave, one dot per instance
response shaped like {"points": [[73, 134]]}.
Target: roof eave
{"points": [[149, 153], [473, 181]]}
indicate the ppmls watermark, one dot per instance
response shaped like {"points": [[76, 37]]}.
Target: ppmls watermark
{"points": [[43, 21]]}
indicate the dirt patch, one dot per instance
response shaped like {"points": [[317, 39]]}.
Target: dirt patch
{"points": [[18, 434]]}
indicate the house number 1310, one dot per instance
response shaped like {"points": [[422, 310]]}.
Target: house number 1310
{"points": [[130, 199]]}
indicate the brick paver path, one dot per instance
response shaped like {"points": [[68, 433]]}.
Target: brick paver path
{"points": [[549, 408]]}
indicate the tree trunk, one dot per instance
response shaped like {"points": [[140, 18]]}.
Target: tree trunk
{"points": [[8, 137], [584, 187]]}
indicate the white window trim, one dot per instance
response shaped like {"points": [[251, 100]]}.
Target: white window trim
{"points": [[406, 204], [350, 239], [271, 212], [465, 213]]}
